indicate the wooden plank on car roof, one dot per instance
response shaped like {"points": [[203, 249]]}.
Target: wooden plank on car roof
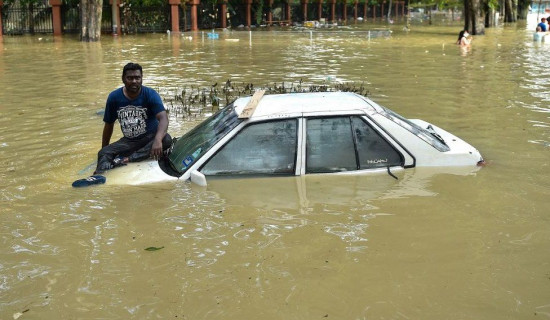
{"points": [[248, 110]]}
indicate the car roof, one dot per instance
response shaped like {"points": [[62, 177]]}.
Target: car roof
{"points": [[277, 105]]}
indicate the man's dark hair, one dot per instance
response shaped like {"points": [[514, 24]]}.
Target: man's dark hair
{"points": [[131, 66]]}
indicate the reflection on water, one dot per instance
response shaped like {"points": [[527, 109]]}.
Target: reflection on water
{"points": [[329, 190], [431, 245], [536, 85]]}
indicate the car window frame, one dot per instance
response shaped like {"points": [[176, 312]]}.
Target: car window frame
{"points": [[410, 158], [382, 134], [220, 145]]}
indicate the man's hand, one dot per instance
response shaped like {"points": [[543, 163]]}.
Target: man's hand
{"points": [[156, 149]]}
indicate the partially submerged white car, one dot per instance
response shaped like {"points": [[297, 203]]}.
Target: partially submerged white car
{"points": [[300, 134]]}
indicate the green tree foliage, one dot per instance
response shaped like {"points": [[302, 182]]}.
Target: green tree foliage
{"points": [[22, 2], [438, 4], [149, 3], [258, 8], [71, 3]]}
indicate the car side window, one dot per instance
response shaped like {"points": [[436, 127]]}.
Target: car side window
{"points": [[258, 149], [373, 150], [336, 144], [329, 145]]}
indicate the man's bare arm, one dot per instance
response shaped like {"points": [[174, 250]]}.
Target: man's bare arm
{"points": [[107, 134]]}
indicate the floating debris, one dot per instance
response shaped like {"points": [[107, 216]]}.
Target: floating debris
{"points": [[154, 248], [194, 101]]}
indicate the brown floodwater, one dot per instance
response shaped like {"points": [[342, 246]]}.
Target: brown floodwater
{"points": [[434, 244]]}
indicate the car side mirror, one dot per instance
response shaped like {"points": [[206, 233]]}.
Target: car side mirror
{"points": [[198, 178]]}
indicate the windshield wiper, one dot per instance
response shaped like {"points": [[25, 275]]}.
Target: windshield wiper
{"points": [[431, 130]]}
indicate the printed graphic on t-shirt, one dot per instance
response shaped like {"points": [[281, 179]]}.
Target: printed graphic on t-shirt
{"points": [[132, 121]]}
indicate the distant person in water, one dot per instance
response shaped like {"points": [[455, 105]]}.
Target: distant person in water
{"points": [[538, 35], [542, 24], [463, 39], [143, 121]]}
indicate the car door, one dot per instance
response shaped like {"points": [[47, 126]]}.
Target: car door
{"points": [[346, 143], [260, 148]]}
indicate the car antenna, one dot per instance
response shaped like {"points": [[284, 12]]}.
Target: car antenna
{"points": [[252, 104], [391, 174]]}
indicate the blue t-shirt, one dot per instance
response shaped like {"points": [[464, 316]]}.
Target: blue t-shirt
{"points": [[542, 26], [137, 117]]}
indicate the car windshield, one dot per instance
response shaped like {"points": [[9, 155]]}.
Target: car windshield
{"points": [[430, 137], [192, 145]]}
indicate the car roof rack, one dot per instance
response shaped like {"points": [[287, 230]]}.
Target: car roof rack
{"points": [[248, 110]]}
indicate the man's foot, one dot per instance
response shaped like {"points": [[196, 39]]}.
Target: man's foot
{"points": [[120, 161], [102, 167]]}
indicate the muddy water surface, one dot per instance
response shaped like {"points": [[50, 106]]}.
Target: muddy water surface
{"points": [[435, 244]]}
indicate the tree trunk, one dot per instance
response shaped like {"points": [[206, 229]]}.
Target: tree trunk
{"points": [[31, 18], [408, 16], [90, 13], [491, 18], [388, 18], [523, 9], [474, 17], [184, 7], [511, 13]]}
